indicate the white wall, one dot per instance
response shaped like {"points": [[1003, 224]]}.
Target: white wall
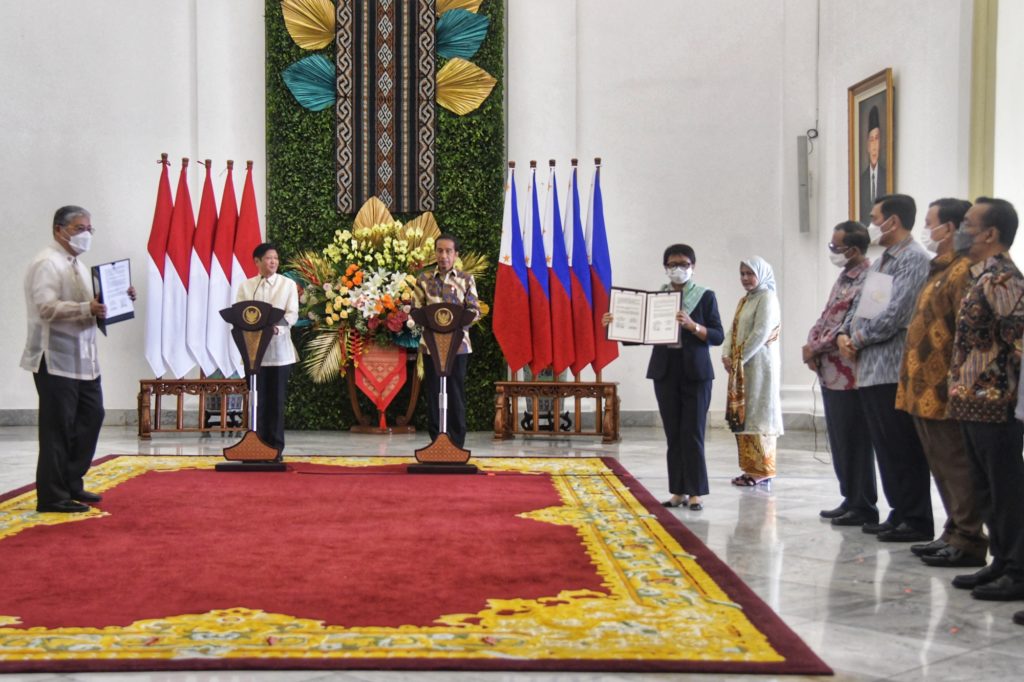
{"points": [[694, 107], [93, 93], [1008, 175]]}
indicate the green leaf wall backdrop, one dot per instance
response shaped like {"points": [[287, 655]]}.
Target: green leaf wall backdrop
{"points": [[301, 210]]}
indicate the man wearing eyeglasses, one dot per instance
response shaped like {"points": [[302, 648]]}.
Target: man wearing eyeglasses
{"points": [[852, 457], [60, 351]]}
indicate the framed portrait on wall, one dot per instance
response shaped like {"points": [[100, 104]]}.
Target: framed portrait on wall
{"points": [[872, 164]]}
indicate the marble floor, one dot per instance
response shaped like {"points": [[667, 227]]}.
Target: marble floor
{"points": [[871, 610]]}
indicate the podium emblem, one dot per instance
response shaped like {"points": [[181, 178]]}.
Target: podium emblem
{"points": [[443, 317], [251, 315]]}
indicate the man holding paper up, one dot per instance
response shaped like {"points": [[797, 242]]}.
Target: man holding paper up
{"points": [[60, 351], [874, 333]]}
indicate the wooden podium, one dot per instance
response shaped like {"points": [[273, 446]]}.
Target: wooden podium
{"points": [[443, 328], [252, 328]]}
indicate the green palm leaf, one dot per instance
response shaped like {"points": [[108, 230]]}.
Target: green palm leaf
{"points": [[460, 32], [311, 82]]}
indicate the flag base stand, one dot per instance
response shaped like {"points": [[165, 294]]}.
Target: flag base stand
{"points": [[251, 454], [442, 457]]}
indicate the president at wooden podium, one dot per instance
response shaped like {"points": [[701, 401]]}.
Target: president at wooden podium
{"points": [[446, 284], [272, 379]]}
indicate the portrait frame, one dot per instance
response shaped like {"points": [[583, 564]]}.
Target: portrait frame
{"points": [[871, 102]]}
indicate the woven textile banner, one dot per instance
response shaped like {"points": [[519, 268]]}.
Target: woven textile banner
{"points": [[386, 114]]}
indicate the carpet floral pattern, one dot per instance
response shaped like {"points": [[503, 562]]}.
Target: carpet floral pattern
{"points": [[661, 609]]}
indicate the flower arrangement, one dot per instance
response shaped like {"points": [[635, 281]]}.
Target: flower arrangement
{"points": [[360, 288]]}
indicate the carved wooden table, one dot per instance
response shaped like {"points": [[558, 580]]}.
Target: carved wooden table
{"points": [[506, 411], [150, 417]]}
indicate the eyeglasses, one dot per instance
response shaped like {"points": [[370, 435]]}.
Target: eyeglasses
{"points": [[79, 229], [838, 248], [673, 266]]}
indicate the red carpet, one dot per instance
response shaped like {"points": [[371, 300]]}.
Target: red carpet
{"points": [[345, 548]]}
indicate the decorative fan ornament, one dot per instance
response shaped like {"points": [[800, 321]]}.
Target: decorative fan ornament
{"points": [[373, 212], [460, 33], [463, 86], [309, 22], [448, 5], [311, 81]]}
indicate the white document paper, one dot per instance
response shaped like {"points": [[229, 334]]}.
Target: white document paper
{"points": [[875, 296], [661, 317], [111, 282], [627, 309]]}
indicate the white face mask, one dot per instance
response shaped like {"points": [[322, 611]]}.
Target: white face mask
{"points": [[929, 241], [838, 259], [80, 242], [679, 275], [874, 233]]}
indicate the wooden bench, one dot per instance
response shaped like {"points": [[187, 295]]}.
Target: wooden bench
{"points": [[150, 415], [506, 408]]}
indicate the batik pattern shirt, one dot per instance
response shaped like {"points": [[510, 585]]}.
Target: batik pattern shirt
{"points": [[880, 340], [924, 375], [454, 286], [986, 352], [835, 372]]}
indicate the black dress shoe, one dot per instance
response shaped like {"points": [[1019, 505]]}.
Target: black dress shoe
{"points": [[63, 507], [1003, 588], [832, 513], [951, 557], [876, 528], [903, 533], [852, 518], [86, 496], [986, 575], [1018, 618], [929, 548]]}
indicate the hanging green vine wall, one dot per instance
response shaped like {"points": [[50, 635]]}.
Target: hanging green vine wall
{"points": [[301, 210]]}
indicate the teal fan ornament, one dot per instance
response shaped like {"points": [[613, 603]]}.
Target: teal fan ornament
{"points": [[311, 81], [460, 33]]}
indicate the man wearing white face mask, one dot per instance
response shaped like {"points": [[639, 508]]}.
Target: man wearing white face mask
{"points": [[876, 340], [924, 390], [60, 351], [852, 456]]}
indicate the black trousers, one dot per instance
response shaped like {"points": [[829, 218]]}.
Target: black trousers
{"points": [[272, 384], [456, 399], [906, 479], [70, 416], [684, 415], [852, 457], [997, 470]]}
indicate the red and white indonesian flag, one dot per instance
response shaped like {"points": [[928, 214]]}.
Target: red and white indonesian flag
{"points": [[218, 332], [199, 278], [247, 237], [176, 271], [157, 248]]}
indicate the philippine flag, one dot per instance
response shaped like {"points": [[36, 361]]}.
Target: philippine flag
{"points": [[562, 351], [600, 273], [511, 291], [540, 304], [579, 271]]}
